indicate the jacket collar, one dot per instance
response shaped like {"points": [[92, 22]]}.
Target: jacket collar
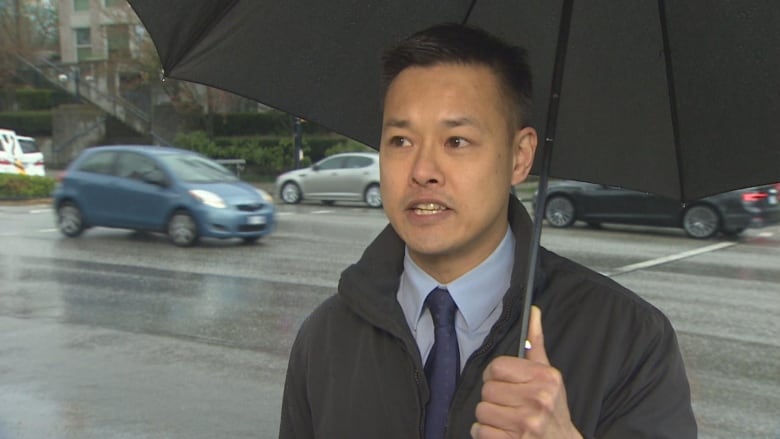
{"points": [[369, 286]]}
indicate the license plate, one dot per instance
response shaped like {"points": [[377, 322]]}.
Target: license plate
{"points": [[255, 220], [773, 199]]}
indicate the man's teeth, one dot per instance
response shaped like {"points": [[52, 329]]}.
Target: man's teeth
{"points": [[428, 208]]}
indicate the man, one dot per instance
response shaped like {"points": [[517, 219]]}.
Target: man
{"points": [[368, 362]]}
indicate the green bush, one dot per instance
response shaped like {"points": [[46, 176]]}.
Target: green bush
{"points": [[15, 186], [269, 123], [34, 99], [28, 123]]}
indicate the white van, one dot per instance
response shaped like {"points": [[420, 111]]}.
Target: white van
{"points": [[20, 155]]}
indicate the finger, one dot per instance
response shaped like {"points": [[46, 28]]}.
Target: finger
{"points": [[537, 352]]}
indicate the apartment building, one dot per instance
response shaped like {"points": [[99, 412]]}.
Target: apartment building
{"points": [[97, 30]]}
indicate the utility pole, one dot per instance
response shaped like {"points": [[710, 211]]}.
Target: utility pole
{"points": [[297, 141]]}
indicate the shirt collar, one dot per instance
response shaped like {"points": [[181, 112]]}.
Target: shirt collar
{"points": [[476, 293]]}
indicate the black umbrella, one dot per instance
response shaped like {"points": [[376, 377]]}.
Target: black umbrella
{"points": [[674, 98]]}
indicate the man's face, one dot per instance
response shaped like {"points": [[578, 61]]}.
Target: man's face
{"points": [[448, 156]]}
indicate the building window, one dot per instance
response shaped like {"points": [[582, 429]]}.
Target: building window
{"points": [[81, 5], [118, 41], [83, 43]]}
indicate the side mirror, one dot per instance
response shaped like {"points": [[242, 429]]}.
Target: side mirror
{"points": [[315, 167]]}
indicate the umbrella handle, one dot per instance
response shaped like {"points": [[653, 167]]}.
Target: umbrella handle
{"points": [[541, 192]]}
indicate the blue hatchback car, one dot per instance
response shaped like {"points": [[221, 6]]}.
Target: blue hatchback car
{"points": [[160, 189]]}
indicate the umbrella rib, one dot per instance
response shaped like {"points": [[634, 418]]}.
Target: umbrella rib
{"points": [[672, 96], [468, 12]]}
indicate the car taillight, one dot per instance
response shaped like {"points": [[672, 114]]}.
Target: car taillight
{"points": [[39, 163], [752, 197], [5, 162]]}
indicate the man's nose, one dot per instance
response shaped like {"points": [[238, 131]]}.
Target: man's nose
{"points": [[426, 168]]}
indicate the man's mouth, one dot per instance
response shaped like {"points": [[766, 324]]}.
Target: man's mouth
{"points": [[428, 208]]}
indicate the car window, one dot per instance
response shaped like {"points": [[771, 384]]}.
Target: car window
{"points": [[196, 169], [135, 166], [359, 162], [28, 146], [98, 162], [331, 163]]}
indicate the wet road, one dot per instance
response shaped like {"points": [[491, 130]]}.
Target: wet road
{"points": [[122, 335]]}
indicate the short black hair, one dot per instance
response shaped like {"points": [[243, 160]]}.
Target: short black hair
{"points": [[452, 43]]}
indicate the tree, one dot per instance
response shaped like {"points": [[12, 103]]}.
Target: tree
{"points": [[27, 29]]}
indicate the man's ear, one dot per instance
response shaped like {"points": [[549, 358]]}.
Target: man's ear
{"points": [[523, 151]]}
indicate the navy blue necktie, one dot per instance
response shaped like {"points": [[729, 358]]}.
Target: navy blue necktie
{"points": [[443, 365]]}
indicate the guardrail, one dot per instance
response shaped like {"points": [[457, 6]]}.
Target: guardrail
{"points": [[238, 164]]}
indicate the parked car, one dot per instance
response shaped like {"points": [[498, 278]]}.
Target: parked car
{"points": [[159, 189], [10, 153], [341, 177], [729, 213], [32, 157]]}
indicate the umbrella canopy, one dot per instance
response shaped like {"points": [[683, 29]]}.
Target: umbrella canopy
{"points": [[674, 98]]}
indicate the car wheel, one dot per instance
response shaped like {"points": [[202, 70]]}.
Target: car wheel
{"points": [[70, 220], [700, 221], [373, 196], [559, 211], [182, 229], [291, 193]]}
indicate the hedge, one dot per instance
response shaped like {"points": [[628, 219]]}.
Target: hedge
{"points": [[27, 123], [267, 155], [266, 123], [15, 186]]}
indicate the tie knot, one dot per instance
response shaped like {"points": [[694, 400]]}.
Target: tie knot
{"points": [[442, 307]]}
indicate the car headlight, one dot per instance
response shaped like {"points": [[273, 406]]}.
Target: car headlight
{"points": [[208, 198], [265, 195]]}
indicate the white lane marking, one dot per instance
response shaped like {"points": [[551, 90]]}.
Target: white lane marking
{"points": [[670, 258], [40, 211], [47, 230], [284, 213], [766, 234], [320, 212]]}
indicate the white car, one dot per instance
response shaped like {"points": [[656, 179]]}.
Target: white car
{"points": [[10, 153], [352, 176], [32, 157], [20, 155]]}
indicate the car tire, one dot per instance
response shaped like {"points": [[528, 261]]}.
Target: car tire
{"points": [[182, 229], [701, 221], [559, 211], [70, 220], [373, 196], [291, 193]]}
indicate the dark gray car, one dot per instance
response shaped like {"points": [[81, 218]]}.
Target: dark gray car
{"points": [[729, 213]]}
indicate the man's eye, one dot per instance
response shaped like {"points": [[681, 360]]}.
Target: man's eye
{"points": [[399, 141], [457, 142]]}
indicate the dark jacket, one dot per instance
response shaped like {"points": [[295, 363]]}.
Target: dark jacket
{"points": [[355, 370]]}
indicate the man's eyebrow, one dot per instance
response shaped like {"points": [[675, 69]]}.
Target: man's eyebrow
{"points": [[460, 121], [396, 123]]}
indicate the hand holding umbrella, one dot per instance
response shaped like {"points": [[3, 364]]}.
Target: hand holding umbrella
{"points": [[524, 397]]}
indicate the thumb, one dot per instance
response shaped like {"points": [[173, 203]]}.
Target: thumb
{"points": [[536, 337]]}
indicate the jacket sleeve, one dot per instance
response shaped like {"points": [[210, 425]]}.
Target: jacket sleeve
{"points": [[296, 419], [652, 399]]}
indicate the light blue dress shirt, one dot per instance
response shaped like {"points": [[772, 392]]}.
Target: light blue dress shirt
{"points": [[478, 294]]}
